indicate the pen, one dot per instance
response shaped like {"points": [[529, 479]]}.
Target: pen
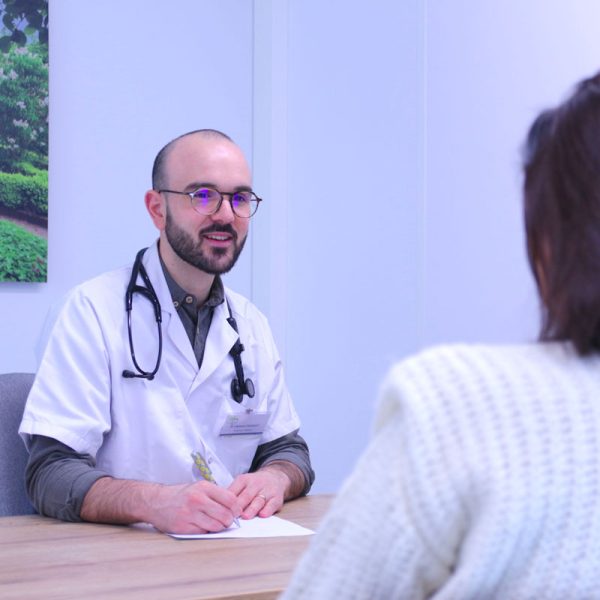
{"points": [[207, 474]]}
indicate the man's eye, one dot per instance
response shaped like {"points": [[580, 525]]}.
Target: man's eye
{"points": [[203, 194]]}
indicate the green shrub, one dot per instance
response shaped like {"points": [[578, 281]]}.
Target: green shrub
{"points": [[27, 168], [26, 193], [23, 256], [23, 103]]}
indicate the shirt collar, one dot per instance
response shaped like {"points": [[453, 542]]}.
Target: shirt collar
{"points": [[184, 299]]}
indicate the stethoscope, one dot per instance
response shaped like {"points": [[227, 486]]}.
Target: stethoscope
{"points": [[239, 385]]}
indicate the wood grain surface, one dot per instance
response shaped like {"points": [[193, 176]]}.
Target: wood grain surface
{"points": [[47, 559]]}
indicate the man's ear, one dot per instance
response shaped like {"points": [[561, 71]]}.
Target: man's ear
{"points": [[157, 208]]}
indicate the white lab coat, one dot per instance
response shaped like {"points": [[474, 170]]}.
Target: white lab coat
{"points": [[147, 430]]}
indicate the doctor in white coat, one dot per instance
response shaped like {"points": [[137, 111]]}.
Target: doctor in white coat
{"points": [[124, 432]]}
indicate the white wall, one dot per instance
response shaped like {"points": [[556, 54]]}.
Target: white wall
{"points": [[355, 108], [384, 137], [491, 67], [425, 105]]}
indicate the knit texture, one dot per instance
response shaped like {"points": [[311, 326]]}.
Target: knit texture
{"points": [[482, 482]]}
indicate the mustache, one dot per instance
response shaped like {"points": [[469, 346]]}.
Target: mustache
{"points": [[220, 229]]}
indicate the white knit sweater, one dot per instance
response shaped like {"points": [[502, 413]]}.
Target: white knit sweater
{"points": [[482, 482]]}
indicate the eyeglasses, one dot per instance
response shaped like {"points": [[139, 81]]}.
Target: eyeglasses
{"points": [[207, 201]]}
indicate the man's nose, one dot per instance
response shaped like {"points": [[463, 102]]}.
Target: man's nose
{"points": [[225, 213]]}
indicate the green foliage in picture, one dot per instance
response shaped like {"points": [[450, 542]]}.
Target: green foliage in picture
{"points": [[23, 107], [23, 21], [27, 194], [22, 254], [23, 139]]}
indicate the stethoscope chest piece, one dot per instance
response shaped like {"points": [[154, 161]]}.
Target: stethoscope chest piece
{"points": [[238, 391], [240, 386]]}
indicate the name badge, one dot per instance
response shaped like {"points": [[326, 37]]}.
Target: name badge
{"points": [[245, 423]]}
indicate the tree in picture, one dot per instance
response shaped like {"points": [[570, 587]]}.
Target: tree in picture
{"points": [[23, 140]]}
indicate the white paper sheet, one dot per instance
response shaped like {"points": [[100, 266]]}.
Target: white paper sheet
{"points": [[257, 527]]}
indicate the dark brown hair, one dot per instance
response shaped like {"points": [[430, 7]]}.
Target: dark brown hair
{"points": [[562, 216]]}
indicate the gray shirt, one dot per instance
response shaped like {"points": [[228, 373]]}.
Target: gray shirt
{"points": [[196, 319]]}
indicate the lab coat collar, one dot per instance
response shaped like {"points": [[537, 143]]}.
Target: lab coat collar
{"points": [[157, 277], [171, 324], [221, 336]]}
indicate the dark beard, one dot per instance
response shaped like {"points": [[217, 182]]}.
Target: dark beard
{"points": [[189, 250]]}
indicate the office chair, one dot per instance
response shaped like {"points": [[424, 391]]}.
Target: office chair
{"points": [[14, 388]]}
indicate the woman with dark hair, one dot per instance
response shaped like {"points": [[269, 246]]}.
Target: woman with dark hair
{"points": [[562, 216], [483, 478]]}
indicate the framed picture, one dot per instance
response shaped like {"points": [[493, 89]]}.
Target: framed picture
{"points": [[23, 140]]}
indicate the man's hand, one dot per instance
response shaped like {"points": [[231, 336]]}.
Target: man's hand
{"points": [[198, 507], [263, 492]]}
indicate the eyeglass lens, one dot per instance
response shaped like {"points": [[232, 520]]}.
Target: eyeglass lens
{"points": [[207, 201]]}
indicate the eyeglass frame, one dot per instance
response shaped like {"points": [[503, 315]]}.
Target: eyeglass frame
{"points": [[220, 203]]}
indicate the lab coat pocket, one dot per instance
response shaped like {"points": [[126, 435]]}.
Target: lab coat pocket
{"points": [[239, 437], [237, 451]]}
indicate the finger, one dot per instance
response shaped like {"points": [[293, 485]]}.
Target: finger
{"points": [[239, 484], [205, 523], [247, 487], [256, 505], [270, 507], [217, 503], [196, 521], [223, 497], [214, 517]]}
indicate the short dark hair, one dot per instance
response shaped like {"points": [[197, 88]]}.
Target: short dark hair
{"points": [[562, 216], [158, 168]]}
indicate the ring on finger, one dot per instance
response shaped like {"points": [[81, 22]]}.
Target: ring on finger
{"points": [[262, 496]]}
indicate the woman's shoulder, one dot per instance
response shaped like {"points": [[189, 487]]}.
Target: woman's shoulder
{"points": [[462, 360], [475, 376]]}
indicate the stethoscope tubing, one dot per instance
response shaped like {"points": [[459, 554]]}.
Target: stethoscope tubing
{"points": [[240, 386]]}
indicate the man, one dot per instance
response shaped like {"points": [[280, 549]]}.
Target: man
{"points": [[112, 442]]}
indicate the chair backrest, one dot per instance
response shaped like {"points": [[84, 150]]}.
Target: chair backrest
{"points": [[14, 388]]}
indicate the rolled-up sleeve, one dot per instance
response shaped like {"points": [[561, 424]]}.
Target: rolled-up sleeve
{"points": [[58, 478], [291, 448]]}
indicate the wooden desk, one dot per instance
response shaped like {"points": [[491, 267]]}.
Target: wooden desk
{"points": [[48, 559]]}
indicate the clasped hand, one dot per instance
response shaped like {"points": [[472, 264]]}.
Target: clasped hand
{"points": [[202, 507]]}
